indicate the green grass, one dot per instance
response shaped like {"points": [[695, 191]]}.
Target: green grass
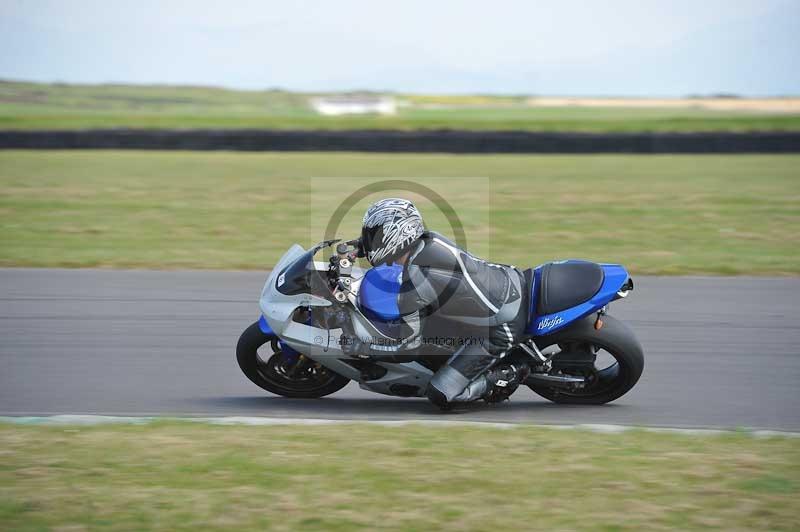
{"points": [[188, 476], [43, 106], [655, 214]]}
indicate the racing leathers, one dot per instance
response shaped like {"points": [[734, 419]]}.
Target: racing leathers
{"points": [[486, 302]]}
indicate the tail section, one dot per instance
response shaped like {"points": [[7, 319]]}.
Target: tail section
{"points": [[566, 291]]}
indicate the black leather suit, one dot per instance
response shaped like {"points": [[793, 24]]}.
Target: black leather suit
{"points": [[488, 302]]}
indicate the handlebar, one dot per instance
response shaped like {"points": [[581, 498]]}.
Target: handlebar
{"points": [[356, 246]]}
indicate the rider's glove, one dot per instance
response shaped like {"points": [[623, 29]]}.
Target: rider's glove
{"points": [[359, 245]]}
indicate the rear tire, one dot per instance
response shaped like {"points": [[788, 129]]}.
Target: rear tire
{"points": [[616, 338], [314, 381]]}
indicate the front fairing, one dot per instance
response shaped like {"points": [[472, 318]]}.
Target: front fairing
{"points": [[322, 344], [277, 306], [284, 292]]}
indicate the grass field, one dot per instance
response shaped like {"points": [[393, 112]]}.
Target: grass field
{"points": [[189, 476], [42, 106], [655, 214]]}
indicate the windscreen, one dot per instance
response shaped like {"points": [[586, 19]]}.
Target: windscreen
{"points": [[300, 277]]}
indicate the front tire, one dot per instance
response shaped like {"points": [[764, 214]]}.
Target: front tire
{"points": [[290, 376], [606, 385]]}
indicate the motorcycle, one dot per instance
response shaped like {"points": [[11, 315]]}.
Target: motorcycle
{"points": [[573, 350]]}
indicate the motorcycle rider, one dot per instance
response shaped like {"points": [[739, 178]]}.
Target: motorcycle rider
{"points": [[487, 300]]}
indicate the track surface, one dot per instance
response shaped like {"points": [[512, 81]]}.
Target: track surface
{"points": [[720, 352]]}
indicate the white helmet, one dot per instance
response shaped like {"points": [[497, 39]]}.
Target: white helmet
{"points": [[390, 227]]}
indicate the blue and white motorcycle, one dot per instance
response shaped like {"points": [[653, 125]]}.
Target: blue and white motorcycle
{"points": [[575, 351]]}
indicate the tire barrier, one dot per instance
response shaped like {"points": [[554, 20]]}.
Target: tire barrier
{"points": [[420, 141]]}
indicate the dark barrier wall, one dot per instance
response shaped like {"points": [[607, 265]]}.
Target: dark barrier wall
{"points": [[406, 141]]}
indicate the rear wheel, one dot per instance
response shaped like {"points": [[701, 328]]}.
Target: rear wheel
{"points": [[610, 360], [263, 361]]}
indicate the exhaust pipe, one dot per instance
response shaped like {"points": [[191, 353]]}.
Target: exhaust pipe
{"points": [[556, 379]]}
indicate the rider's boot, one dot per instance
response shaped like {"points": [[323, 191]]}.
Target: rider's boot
{"points": [[462, 378], [504, 379]]}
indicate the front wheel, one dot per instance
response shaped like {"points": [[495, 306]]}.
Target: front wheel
{"points": [[610, 360], [263, 361]]}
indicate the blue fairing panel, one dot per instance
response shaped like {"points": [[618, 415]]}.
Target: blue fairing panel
{"points": [[377, 296], [264, 326], [614, 278]]}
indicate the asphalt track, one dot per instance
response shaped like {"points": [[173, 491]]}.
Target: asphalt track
{"points": [[720, 353]]}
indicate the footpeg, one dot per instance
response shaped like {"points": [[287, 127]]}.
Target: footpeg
{"points": [[534, 352]]}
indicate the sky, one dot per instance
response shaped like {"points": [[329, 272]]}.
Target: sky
{"points": [[556, 47]]}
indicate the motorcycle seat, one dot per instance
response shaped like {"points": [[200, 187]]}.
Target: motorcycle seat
{"points": [[567, 284]]}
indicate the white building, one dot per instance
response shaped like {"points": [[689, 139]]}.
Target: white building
{"points": [[354, 105]]}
